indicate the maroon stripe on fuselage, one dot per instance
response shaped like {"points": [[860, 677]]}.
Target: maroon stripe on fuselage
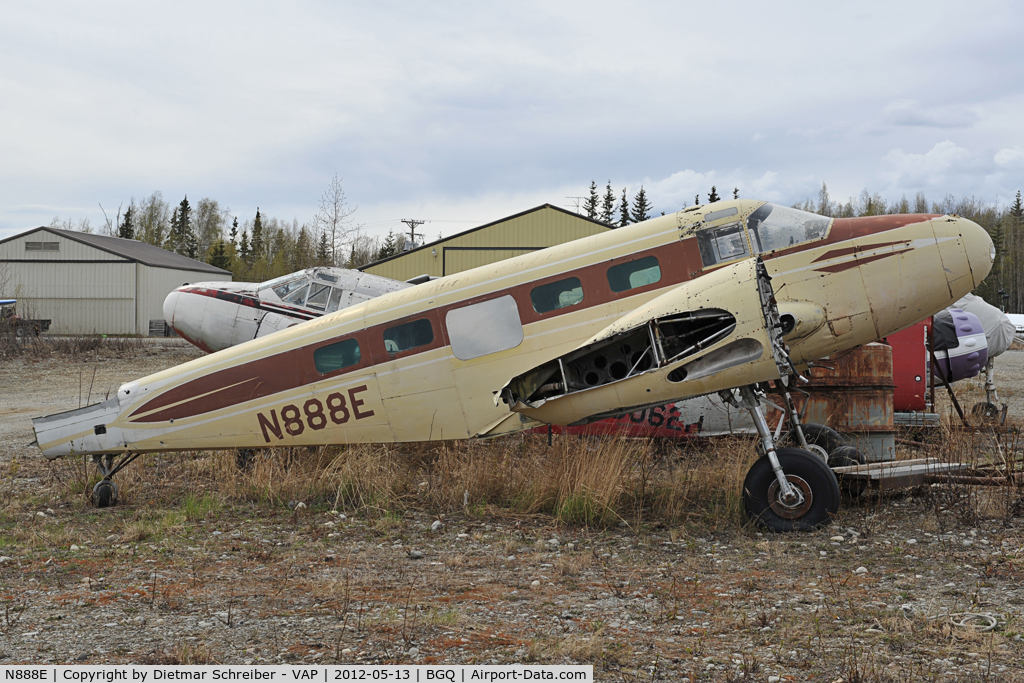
{"points": [[854, 263], [253, 302], [836, 253], [679, 261]]}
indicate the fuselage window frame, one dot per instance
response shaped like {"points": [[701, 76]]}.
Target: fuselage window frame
{"points": [[337, 356], [415, 333], [712, 241], [624, 277], [553, 296]]}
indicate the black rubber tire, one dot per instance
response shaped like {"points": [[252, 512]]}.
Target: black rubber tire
{"points": [[20, 333], [986, 412], [816, 435], [104, 494], [845, 456], [822, 436], [801, 468]]}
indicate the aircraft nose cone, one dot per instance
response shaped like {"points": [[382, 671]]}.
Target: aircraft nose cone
{"points": [[980, 250], [171, 303]]}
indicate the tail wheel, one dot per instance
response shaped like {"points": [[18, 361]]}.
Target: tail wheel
{"points": [[818, 489]]}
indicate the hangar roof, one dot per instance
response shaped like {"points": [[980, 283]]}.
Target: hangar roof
{"points": [[508, 225], [132, 250]]}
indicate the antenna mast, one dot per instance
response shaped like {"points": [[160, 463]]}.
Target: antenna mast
{"points": [[576, 202]]}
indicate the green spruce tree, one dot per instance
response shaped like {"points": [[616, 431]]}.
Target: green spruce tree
{"points": [[257, 245], [185, 238], [641, 207], [713, 196], [590, 204], [191, 243], [174, 236], [234, 233], [243, 248], [623, 210], [127, 228], [388, 248], [218, 256], [323, 251], [735, 193], [608, 205]]}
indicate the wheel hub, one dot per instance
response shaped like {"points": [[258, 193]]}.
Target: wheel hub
{"points": [[818, 451], [791, 509]]}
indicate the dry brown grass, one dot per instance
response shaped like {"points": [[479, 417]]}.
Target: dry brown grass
{"points": [[72, 347], [578, 481]]}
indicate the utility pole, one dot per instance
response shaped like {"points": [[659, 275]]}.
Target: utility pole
{"points": [[413, 224]]}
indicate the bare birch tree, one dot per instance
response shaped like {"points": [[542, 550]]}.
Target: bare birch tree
{"points": [[334, 219]]}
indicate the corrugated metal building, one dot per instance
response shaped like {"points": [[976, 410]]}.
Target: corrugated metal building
{"points": [[534, 229], [94, 284]]}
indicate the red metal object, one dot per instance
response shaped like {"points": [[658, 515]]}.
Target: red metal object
{"points": [[661, 421], [852, 391], [910, 367]]}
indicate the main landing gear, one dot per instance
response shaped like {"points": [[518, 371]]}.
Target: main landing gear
{"points": [[787, 489], [104, 493]]}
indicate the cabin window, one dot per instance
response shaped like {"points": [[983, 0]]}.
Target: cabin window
{"points": [[336, 356], [780, 227], [555, 295], [484, 328], [722, 244], [285, 288], [319, 296], [638, 273], [408, 336]]}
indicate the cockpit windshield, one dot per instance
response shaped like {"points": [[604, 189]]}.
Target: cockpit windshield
{"points": [[284, 285], [774, 227]]}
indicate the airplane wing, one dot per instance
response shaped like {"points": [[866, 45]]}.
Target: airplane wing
{"points": [[695, 339]]}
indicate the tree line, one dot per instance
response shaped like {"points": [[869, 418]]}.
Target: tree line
{"points": [[618, 212], [254, 249]]}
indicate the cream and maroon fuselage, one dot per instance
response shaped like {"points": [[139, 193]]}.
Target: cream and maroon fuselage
{"points": [[868, 277]]}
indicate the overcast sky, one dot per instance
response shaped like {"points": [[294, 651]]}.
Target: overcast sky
{"points": [[461, 113]]}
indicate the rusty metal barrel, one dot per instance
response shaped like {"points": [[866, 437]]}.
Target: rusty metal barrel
{"points": [[852, 392]]}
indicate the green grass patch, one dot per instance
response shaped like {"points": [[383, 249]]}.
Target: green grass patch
{"points": [[197, 507]]}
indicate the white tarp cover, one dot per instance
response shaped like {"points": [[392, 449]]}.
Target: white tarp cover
{"points": [[999, 330]]}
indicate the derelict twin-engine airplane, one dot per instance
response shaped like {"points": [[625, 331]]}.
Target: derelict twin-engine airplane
{"points": [[216, 315], [715, 298]]}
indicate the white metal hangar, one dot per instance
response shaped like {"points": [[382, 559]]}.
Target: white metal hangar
{"points": [[94, 284]]}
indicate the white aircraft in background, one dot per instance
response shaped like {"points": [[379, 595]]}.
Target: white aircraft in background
{"points": [[217, 315]]}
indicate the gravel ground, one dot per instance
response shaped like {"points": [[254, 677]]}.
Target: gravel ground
{"points": [[876, 596]]}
